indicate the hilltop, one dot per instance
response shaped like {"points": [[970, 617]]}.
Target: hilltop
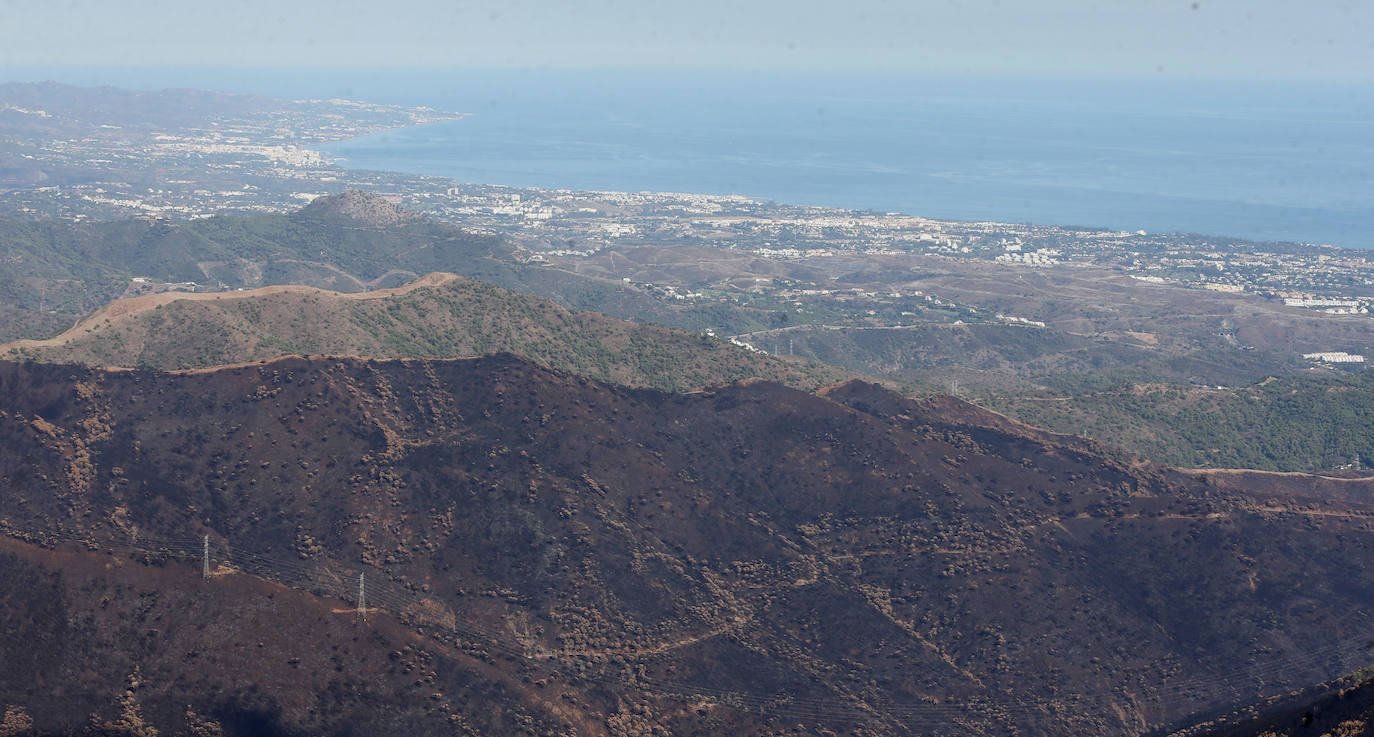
{"points": [[550, 554], [437, 316], [360, 207], [55, 273]]}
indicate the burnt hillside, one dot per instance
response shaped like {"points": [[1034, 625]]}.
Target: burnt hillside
{"points": [[1343, 708], [552, 555]]}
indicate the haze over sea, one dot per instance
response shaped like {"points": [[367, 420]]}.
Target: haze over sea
{"points": [[1258, 161]]}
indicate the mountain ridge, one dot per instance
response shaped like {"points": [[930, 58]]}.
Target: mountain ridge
{"points": [[438, 316], [750, 544], [129, 307]]}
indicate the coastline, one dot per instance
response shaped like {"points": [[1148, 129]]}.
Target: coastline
{"points": [[556, 132]]}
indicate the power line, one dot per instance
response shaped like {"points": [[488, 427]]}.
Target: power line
{"points": [[1172, 700]]}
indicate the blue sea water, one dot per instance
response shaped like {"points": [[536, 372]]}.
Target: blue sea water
{"points": [[1258, 161]]}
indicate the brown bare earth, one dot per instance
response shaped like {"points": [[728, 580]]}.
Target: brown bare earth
{"points": [[546, 554]]}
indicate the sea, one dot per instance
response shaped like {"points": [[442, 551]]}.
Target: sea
{"points": [[1269, 161]]}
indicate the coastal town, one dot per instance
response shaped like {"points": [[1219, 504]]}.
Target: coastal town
{"points": [[1307, 276], [260, 157]]}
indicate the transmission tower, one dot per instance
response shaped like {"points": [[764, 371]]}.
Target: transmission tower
{"points": [[362, 598], [205, 559]]}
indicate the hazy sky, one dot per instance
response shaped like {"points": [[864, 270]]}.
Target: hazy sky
{"points": [[1245, 39]]}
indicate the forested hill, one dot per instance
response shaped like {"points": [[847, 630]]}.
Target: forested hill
{"points": [[54, 273], [1305, 422], [438, 316]]}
